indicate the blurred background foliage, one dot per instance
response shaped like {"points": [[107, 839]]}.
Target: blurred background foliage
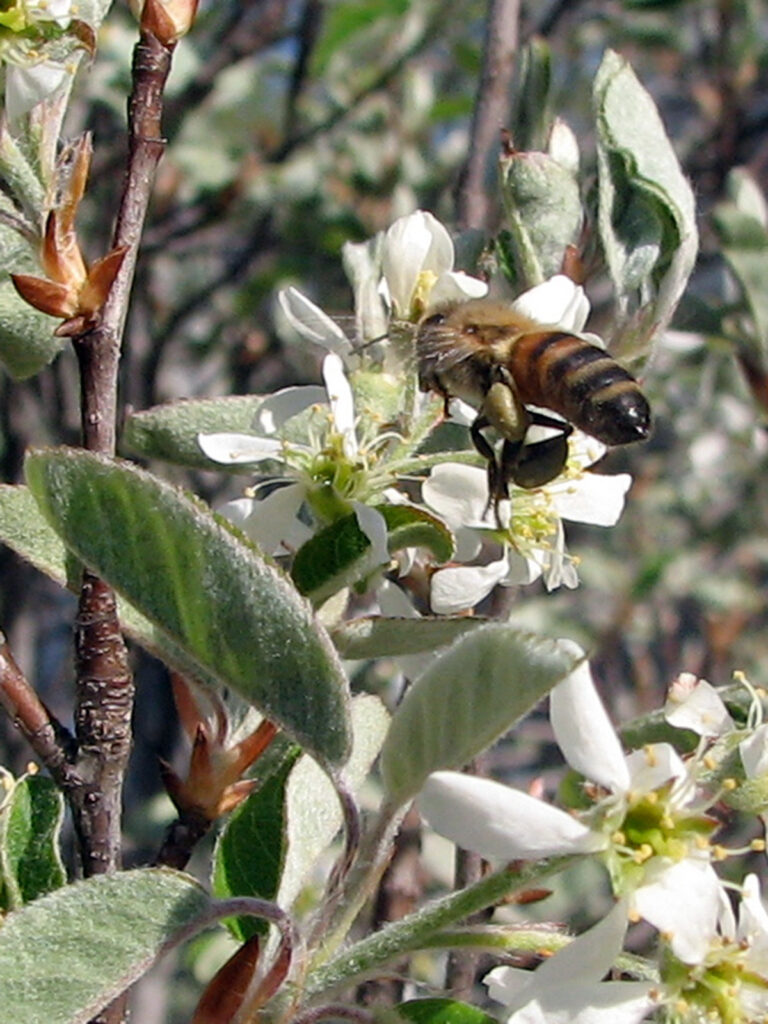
{"points": [[296, 125]]}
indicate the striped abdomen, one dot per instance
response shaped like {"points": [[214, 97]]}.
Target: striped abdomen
{"points": [[581, 383]]}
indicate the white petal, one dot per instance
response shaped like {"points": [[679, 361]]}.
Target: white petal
{"points": [[753, 919], [699, 708], [455, 286], [374, 526], [283, 405], [610, 1002], [558, 302], [682, 901], [584, 731], [25, 87], [754, 752], [497, 821], [456, 589], [342, 402], [311, 322], [239, 449], [457, 493], [272, 522], [592, 498], [654, 766], [413, 244], [521, 569], [563, 147]]}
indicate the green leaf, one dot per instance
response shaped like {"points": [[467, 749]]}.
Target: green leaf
{"points": [[27, 342], [30, 823], [341, 555], [335, 557], [270, 845], [543, 213], [410, 527], [647, 216], [467, 697], [249, 855], [68, 954], [211, 592], [442, 1011], [374, 636], [23, 528], [343, 20], [170, 431]]}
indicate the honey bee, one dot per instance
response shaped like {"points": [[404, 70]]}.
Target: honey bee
{"points": [[501, 362]]}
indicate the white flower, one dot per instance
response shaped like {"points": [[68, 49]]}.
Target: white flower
{"points": [[532, 541], [695, 704], [730, 981], [417, 266], [647, 829], [329, 456], [568, 988]]}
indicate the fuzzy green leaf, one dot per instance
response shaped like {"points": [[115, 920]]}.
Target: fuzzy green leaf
{"points": [[170, 431], [375, 636], [30, 823], [27, 342], [200, 582], [468, 696], [68, 954]]}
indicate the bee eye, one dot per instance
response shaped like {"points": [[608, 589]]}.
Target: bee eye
{"points": [[436, 318]]}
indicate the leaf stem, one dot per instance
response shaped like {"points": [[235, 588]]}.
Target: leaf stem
{"points": [[412, 933]]}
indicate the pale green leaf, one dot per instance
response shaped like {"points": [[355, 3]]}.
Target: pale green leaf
{"points": [[468, 696], [204, 585], [170, 431], [375, 636], [68, 954]]}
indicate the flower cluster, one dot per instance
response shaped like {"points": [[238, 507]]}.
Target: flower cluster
{"points": [[27, 29], [649, 822], [356, 446]]}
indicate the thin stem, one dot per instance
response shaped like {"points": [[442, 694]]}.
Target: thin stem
{"points": [[491, 111], [372, 953], [49, 740]]}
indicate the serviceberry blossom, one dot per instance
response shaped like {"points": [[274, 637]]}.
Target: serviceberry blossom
{"points": [[569, 988], [530, 541], [647, 823], [310, 433]]}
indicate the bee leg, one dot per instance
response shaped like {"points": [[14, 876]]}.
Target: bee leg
{"points": [[497, 483]]}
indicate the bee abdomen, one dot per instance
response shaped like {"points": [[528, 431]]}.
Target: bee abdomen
{"points": [[583, 384]]}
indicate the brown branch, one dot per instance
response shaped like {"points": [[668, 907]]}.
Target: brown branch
{"points": [[105, 689], [491, 112], [47, 737]]}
